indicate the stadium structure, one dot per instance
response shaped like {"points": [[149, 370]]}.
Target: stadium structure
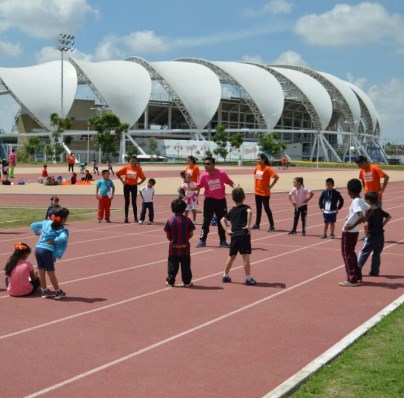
{"points": [[181, 102]]}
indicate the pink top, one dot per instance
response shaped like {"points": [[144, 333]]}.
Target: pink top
{"points": [[299, 196], [18, 281], [11, 159], [214, 184]]}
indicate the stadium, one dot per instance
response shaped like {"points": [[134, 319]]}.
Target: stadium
{"points": [[180, 103]]}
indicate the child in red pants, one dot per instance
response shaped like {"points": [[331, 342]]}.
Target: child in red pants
{"points": [[104, 193]]}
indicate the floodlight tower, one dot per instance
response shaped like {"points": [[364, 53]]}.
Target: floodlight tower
{"points": [[65, 43]]}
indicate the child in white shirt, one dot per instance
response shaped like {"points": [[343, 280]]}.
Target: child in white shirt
{"points": [[190, 197], [147, 195]]}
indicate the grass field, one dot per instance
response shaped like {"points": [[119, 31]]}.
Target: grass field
{"points": [[372, 368]]}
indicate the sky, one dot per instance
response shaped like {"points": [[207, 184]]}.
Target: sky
{"points": [[358, 41]]}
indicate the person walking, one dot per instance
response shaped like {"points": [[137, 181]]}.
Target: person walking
{"points": [[213, 181], [70, 162], [263, 185]]}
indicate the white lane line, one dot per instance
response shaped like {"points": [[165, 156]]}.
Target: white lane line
{"points": [[291, 384], [136, 297], [175, 337]]}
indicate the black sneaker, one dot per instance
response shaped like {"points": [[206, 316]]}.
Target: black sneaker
{"points": [[255, 226], [126, 220], [292, 233], [271, 229], [59, 294], [250, 282], [303, 233], [226, 279]]}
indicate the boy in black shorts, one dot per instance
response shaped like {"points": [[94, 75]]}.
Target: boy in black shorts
{"points": [[240, 218]]}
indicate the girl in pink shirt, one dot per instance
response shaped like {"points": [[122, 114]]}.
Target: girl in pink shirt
{"points": [[20, 276], [299, 196]]}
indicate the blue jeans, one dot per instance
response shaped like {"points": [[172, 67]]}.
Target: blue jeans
{"points": [[371, 244]]}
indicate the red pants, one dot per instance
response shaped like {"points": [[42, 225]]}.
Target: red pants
{"points": [[348, 243], [104, 205]]}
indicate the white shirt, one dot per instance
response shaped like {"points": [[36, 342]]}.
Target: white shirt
{"points": [[357, 205], [147, 193]]}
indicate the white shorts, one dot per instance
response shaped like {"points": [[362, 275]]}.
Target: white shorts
{"points": [[193, 205]]}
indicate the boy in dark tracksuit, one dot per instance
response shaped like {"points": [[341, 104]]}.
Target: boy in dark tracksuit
{"points": [[376, 218], [330, 203], [179, 230]]}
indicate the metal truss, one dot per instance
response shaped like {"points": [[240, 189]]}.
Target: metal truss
{"points": [[226, 78], [173, 95], [5, 89], [83, 78], [337, 98], [293, 91]]}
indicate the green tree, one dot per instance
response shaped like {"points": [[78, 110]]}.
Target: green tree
{"points": [[221, 140], [32, 145], [270, 144], [132, 150], [236, 140], [109, 130], [153, 147], [60, 125], [67, 139]]}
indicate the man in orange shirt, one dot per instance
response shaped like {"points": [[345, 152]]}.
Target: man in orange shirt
{"points": [[70, 162], [133, 177], [262, 176], [370, 175]]}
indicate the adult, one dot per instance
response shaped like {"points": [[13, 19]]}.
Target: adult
{"points": [[213, 181], [70, 162], [262, 178], [371, 176], [12, 161], [133, 177], [192, 169]]}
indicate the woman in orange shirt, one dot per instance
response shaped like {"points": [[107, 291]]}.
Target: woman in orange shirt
{"points": [[133, 177], [192, 169], [262, 177]]}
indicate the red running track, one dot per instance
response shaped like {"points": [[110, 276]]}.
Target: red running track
{"points": [[121, 332]]}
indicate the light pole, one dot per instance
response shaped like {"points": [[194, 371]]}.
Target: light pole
{"points": [[350, 137], [318, 144], [65, 44], [88, 142]]}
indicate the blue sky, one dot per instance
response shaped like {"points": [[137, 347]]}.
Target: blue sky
{"points": [[358, 41]]}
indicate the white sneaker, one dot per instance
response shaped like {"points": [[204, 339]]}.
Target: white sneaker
{"points": [[140, 222]]}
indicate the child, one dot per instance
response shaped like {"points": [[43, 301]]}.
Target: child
{"points": [[181, 190], [147, 194], [240, 218], [20, 275], [4, 169], [87, 176], [179, 230], [54, 205], [376, 219], [82, 166], [109, 164], [105, 190], [190, 197], [95, 167], [45, 171], [51, 245], [350, 233], [73, 178], [330, 203], [299, 196]]}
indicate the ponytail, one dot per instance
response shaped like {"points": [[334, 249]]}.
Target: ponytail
{"points": [[57, 216], [20, 250]]}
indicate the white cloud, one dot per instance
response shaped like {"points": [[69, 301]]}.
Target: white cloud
{"points": [[289, 58], [255, 59], [108, 48], [145, 41], [272, 7], [357, 81], [351, 25], [9, 49], [389, 102], [45, 19], [47, 54]]}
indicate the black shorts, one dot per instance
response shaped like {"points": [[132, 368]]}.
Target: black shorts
{"points": [[240, 244], [330, 217]]}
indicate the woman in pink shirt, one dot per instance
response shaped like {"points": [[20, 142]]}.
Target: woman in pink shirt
{"points": [[213, 181], [20, 276], [12, 161]]}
